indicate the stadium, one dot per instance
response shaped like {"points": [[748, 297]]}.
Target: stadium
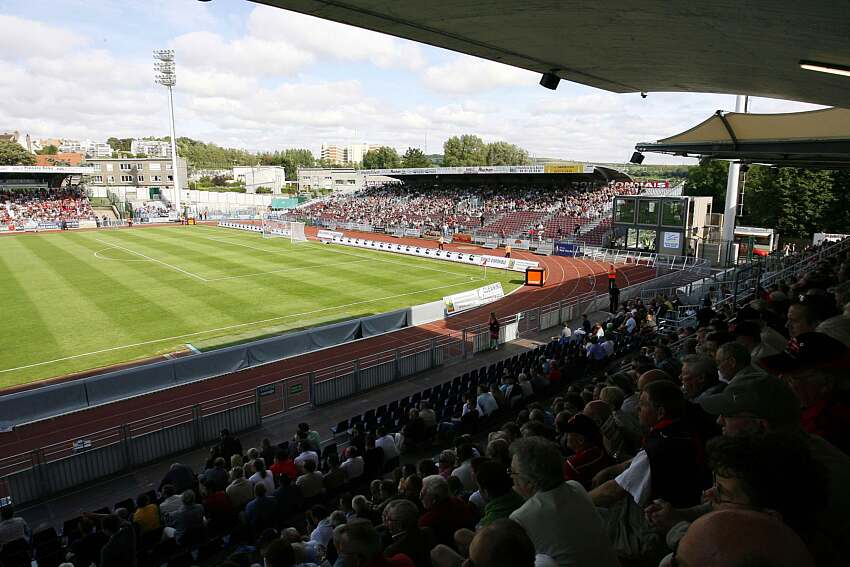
{"points": [[557, 361]]}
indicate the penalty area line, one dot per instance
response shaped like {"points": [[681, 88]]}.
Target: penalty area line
{"points": [[166, 264]]}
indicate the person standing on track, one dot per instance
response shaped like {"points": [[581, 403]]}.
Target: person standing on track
{"points": [[613, 298], [494, 331], [612, 276], [441, 242], [507, 250]]}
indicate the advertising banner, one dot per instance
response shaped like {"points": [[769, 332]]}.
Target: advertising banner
{"points": [[508, 263], [566, 249], [329, 234], [473, 298], [555, 168]]}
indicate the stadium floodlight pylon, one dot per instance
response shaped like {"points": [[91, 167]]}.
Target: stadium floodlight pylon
{"points": [[275, 226]]}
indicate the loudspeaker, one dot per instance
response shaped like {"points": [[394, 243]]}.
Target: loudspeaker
{"points": [[637, 158], [550, 81]]}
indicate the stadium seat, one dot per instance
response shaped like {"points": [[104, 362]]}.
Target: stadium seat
{"points": [[127, 504], [43, 536], [339, 428]]}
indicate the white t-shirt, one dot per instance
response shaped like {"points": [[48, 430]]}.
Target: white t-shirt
{"points": [[636, 480], [306, 456], [268, 481], [353, 468], [387, 443]]}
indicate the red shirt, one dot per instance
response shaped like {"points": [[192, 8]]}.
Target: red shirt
{"points": [[286, 467], [584, 465], [829, 420]]}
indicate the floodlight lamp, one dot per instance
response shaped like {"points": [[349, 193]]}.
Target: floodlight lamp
{"points": [[830, 68], [550, 80], [637, 158]]}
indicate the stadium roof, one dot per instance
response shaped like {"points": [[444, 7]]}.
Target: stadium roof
{"points": [[552, 173], [725, 46], [819, 138]]}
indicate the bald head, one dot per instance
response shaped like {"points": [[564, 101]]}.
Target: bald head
{"points": [[598, 411], [652, 376], [503, 543], [739, 538]]}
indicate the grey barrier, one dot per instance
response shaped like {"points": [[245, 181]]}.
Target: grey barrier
{"points": [[57, 468], [57, 399]]}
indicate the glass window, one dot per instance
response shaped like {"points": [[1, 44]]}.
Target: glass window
{"points": [[673, 213], [631, 241], [624, 210], [648, 211], [646, 239], [619, 237]]}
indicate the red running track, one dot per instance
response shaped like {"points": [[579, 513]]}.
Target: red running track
{"points": [[567, 278]]}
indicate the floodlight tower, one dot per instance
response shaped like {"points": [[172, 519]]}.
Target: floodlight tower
{"points": [[166, 75]]}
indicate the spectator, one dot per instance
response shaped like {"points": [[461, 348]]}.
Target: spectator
{"points": [[217, 477], [311, 482], [753, 407], [665, 361], [279, 553], [487, 404], [733, 363], [558, 516], [401, 519], [699, 377], [387, 444], [748, 333], [353, 466], [227, 446], [498, 395], [500, 544], [335, 477], [288, 497], [319, 522], [373, 459], [180, 476], [308, 436], [171, 503], [669, 466], [464, 469], [715, 541], [305, 454], [816, 367], [146, 515], [284, 465], [589, 456], [120, 549], [413, 432], [12, 527], [496, 491], [86, 550], [358, 545], [444, 514], [188, 521], [262, 476], [240, 491], [429, 417]]}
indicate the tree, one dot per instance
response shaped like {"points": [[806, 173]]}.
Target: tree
{"points": [[120, 144], [414, 157], [709, 180], [503, 153], [466, 150], [796, 202], [382, 158], [49, 150], [263, 190], [12, 153]]}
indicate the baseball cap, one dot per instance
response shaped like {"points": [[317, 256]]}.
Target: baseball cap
{"points": [[580, 423], [766, 397], [808, 350]]}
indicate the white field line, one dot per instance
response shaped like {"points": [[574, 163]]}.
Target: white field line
{"points": [[99, 257], [337, 251], [166, 264], [228, 327]]}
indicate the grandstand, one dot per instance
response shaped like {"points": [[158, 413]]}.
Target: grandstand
{"points": [[43, 198]]}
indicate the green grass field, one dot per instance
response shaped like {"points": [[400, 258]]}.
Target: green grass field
{"points": [[75, 301]]}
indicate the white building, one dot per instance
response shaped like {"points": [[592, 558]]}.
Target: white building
{"points": [[151, 148], [90, 148], [352, 153], [344, 179], [254, 177]]}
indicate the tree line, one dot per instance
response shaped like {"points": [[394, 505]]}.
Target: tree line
{"points": [[796, 202]]}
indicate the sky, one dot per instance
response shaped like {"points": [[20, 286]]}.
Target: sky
{"points": [[264, 79]]}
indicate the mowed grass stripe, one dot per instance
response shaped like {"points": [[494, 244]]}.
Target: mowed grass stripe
{"points": [[218, 312]]}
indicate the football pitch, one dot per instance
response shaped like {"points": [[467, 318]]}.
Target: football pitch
{"points": [[75, 301]]}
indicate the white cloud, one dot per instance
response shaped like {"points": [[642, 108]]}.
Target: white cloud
{"points": [[21, 37], [468, 75]]}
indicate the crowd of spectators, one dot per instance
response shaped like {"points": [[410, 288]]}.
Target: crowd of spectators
{"points": [[451, 208], [150, 209], [726, 444], [19, 207]]}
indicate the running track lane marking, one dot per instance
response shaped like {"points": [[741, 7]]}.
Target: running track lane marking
{"points": [[166, 264], [228, 327]]}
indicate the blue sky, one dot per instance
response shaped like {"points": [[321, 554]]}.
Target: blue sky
{"points": [[260, 78]]}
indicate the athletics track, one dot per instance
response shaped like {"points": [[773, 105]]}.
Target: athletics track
{"points": [[567, 277]]}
